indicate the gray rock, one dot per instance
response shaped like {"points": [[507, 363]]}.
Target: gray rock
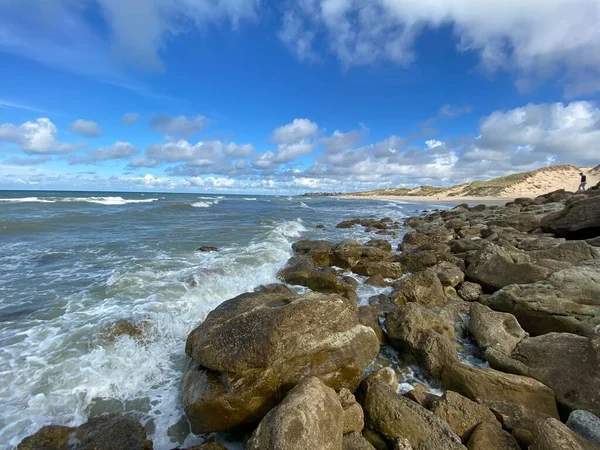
{"points": [[423, 287], [580, 220], [469, 292], [585, 424], [550, 434]]}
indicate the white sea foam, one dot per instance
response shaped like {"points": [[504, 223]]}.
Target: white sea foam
{"points": [[250, 198], [55, 370], [27, 200], [304, 205], [205, 204]]}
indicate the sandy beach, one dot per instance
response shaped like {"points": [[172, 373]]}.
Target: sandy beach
{"points": [[435, 199]]}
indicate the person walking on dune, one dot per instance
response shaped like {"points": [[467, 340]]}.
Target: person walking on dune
{"points": [[583, 181]]}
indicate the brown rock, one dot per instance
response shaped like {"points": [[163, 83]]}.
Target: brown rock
{"points": [[567, 363], [414, 239], [52, 437], [396, 417], [112, 432], [449, 274], [463, 415], [421, 336], [354, 419], [489, 436], [310, 416], [376, 280], [550, 434], [424, 288], [518, 401], [580, 220], [495, 329], [252, 349], [386, 269], [381, 244], [318, 250], [356, 441], [369, 317]]}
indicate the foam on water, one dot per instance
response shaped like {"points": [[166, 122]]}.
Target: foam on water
{"points": [[59, 369], [27, 200], [250, 198]]}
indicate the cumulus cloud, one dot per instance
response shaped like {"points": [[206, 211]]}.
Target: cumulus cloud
{"points": [[37, 137], [297, 130], [118, 151], [534, 40], [87, 128], [178, 126], [130, 118]]}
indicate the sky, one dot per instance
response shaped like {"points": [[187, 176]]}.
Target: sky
{"points": [[293, 96]]}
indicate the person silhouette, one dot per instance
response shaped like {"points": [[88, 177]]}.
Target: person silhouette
{"points": [[582, 183]]}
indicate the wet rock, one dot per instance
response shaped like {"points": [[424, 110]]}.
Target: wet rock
{"points": [[126, 328], [567, 363], [396, 417], [301, 270], [382, 304], [550, 434], [52, 437], [318, 250], [208, 446], [585, 424], [310, 416], [377, 281], [580, 220], [498, 330], [488, 436], [348, 223], [111, 432], [469, 292], [320, 227], [456, 315], [252, 349], [568, 301], [462, 415], [494, 267], [207, 248], [369, 317], [420, 395], [423, 287], [421, 336], [449, 274], [273, 288], [518, 401]]}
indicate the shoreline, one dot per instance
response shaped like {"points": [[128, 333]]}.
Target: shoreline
{"points": [[431, 199]]}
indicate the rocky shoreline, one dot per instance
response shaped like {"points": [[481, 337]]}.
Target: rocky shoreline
{"points": [[288, 370]]}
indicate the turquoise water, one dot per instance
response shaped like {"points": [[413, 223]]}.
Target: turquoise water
{"points": [[72, 264]]}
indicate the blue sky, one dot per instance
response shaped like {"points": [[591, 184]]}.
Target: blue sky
{"points": [[293, 96]]}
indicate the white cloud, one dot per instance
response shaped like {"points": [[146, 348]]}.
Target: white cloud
{"points": [[179, 126], [534, 40], [295, 131], [118, 151], [37, 137], [87, 128], [130, 118]]}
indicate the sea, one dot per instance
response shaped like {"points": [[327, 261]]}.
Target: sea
{"points": [[72, 264]]}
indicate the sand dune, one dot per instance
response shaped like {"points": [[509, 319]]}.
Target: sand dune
{"points": [[526, 184]]}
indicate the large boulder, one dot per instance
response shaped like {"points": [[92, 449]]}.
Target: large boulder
{"points": [[396, 417], [463, 415], [254, 348], [567, 363], [498, 330], [579, 220], [413, 240], [422, 287], [551, 434], [310, 416], [568, 301], [518, 401], [318, 250], [386, 269], [348, 253], [417, 260], [488, 436], [520, 222], [495, 267], [302, 270], [449, 274], [570, 252], [107, 432], [422, 337], [356, 441]]}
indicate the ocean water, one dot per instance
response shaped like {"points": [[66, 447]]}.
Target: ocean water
{"points": [[72, 264]]}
